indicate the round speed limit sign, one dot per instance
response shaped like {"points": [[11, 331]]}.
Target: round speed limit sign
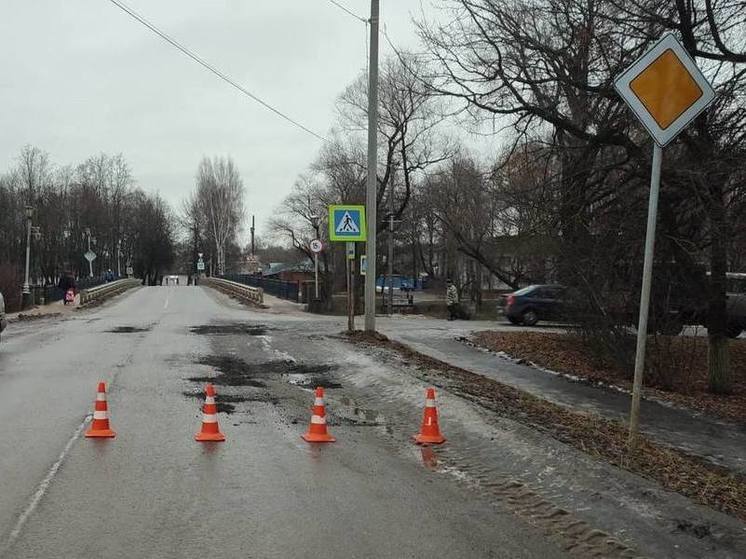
{"points": [[317, 246]]}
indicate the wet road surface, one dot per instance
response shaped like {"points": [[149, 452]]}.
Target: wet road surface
{"points": [[718, 441], [154, 492]]}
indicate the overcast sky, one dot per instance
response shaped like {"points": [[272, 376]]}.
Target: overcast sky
{"points": [[81, 77]]}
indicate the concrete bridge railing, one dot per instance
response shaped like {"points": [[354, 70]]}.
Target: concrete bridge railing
{"points": [[107, 290], [253, 295]]}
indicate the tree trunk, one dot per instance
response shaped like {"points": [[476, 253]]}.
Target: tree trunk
{"points": [[718, 361]]}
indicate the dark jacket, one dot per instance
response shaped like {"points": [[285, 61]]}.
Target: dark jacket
{"points": [[67, 282]]}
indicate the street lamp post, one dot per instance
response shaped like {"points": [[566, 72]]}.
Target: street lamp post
{"points": [[26, 294], [90, 262], [119, 254], [315, 224]]}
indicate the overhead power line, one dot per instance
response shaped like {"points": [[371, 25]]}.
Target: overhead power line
{"points": [[348, 11], [211, 68]]}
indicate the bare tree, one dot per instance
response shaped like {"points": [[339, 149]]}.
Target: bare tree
{"points": [[545, 70], [219, 196], [409, 117]]}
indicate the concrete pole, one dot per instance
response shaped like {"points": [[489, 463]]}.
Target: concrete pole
{"points": [[372, 184], [647, 277]]}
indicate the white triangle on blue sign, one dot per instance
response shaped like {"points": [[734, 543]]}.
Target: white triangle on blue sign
{"points": [[347, 225]]}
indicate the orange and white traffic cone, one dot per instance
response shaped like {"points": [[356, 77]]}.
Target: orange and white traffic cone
{"points": [[210, 428], [429, 430], [317, 430], [100, 425]]}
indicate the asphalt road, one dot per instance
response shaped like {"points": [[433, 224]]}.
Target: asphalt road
{"points": [[155, 492]]}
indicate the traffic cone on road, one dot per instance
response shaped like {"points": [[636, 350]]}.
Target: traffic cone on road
{"points": [[100, 425], [210, 428], [317, 430], [429, 430]]}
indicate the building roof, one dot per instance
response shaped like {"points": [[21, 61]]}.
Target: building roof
{"points": [[274, 268]]}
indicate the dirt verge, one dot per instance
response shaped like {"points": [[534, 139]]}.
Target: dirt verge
{"points": [[702, 482], [22, 317]]}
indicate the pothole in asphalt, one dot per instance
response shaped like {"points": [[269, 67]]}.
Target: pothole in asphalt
{"points": [[232, 372], [232, 328], [129, 329], [226, 402], [237, 372]]}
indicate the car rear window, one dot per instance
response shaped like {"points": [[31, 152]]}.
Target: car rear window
{"points": [[526, 290]]}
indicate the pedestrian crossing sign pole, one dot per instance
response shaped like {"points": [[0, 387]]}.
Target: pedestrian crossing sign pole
{"points": [[347, 224]]}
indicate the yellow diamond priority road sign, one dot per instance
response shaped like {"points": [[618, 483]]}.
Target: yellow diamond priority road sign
{"points": [[665, 89]]}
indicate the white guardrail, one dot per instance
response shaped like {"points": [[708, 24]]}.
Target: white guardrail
{"points": [[107, 290], [253, 295]]}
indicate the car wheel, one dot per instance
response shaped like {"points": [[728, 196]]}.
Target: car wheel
{"points": [[529, 318]]}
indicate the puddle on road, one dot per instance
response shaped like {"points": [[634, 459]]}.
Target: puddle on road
{"points": [[129, 329], [231, 328], [306, 381], [429, 458], [311, 376]]}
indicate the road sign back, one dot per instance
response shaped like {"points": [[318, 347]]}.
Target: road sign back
{"points": [[665, 89], [347, 223]]}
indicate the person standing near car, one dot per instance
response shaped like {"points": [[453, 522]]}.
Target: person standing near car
{"points": [[451, 299]]}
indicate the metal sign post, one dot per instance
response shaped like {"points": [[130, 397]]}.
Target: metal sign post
{"points": [[316, 247], [666, 91], [350, 259], [348, 223], [647, 280]]}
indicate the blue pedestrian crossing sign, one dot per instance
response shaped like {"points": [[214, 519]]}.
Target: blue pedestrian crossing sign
{"points": [[347, 223]]}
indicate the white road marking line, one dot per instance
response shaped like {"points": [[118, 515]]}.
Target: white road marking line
{"points": [[44, 485], [165, 305]]}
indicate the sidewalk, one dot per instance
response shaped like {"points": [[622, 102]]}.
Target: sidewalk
{"points": [[275, 305], [717, 441], [39, 311]]}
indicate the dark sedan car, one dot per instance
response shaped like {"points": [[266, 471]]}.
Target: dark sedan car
{"points": [[534, 303]]}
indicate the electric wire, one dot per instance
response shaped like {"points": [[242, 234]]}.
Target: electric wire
{"points": [[211, 68], [348, 11]]}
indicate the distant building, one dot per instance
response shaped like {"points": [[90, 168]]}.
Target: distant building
{"points": [[251, 265], [295, 272]]}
